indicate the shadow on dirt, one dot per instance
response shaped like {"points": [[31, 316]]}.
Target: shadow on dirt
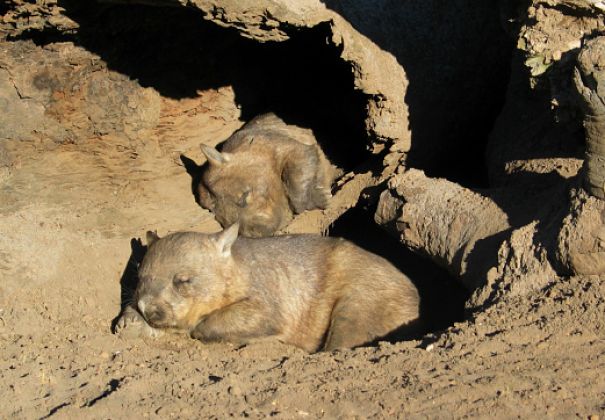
{"points": [[195, 171], [130, 279]]}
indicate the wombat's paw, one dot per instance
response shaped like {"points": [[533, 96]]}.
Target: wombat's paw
{"points": [[132, 325], [202, 335], [198, 335]]}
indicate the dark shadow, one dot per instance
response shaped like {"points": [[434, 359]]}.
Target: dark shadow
{"points": [[54, 410], [542, 198], [456, 56], [112, 386], [530, 127], [415, 330], [442, 296], [130, 279], [195, 171], [482, 258], [176, 52]]}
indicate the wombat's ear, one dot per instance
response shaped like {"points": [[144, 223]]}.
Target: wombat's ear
{"points": [[214, 156], [226, 239], [151, 237]]}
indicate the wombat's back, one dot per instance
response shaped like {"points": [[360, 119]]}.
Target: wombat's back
{"points": [[328, 284], [319, 259], [291, 267], [268, 127]]}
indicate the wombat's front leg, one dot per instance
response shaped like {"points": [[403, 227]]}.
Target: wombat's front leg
{"points": [[131, 324], [239, 323]]}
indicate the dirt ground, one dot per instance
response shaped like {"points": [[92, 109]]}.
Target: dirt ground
{"points": [[72, 207], [62, 260], [540, 355]]}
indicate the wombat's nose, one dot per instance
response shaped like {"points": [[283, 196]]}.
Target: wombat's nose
{"points": [[154, 315], [151, 312]]}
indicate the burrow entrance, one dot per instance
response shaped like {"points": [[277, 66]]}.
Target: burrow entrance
{"points": [[179, 54], [303, 80], [442, 296]]}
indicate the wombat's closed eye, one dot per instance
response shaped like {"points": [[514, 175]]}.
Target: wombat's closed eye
{"points": [[181, 280], [243, 199]]}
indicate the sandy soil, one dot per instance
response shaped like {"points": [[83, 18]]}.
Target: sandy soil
{"points": [[531, 356], [62, 260], [70, 217]]}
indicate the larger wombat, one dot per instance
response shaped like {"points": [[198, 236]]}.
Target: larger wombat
{"points": [[266, 172], [310, 291]]}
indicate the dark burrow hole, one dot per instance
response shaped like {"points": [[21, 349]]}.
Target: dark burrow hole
{"points": [[442, 296], [176, 52]]}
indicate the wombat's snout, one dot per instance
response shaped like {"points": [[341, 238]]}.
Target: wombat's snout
{"points": [[152, 313]]}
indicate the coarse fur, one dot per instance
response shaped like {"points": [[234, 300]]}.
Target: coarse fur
{"points": [[266, 172], [310, 291]]}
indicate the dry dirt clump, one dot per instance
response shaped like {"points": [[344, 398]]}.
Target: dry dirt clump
{"points": [[103, 106]]}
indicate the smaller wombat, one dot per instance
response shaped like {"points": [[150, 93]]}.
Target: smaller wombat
{"points": [[266, 172], [310, 291]]}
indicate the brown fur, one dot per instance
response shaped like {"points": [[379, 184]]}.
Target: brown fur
{"points": [[267, 171], [309, 291]]}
